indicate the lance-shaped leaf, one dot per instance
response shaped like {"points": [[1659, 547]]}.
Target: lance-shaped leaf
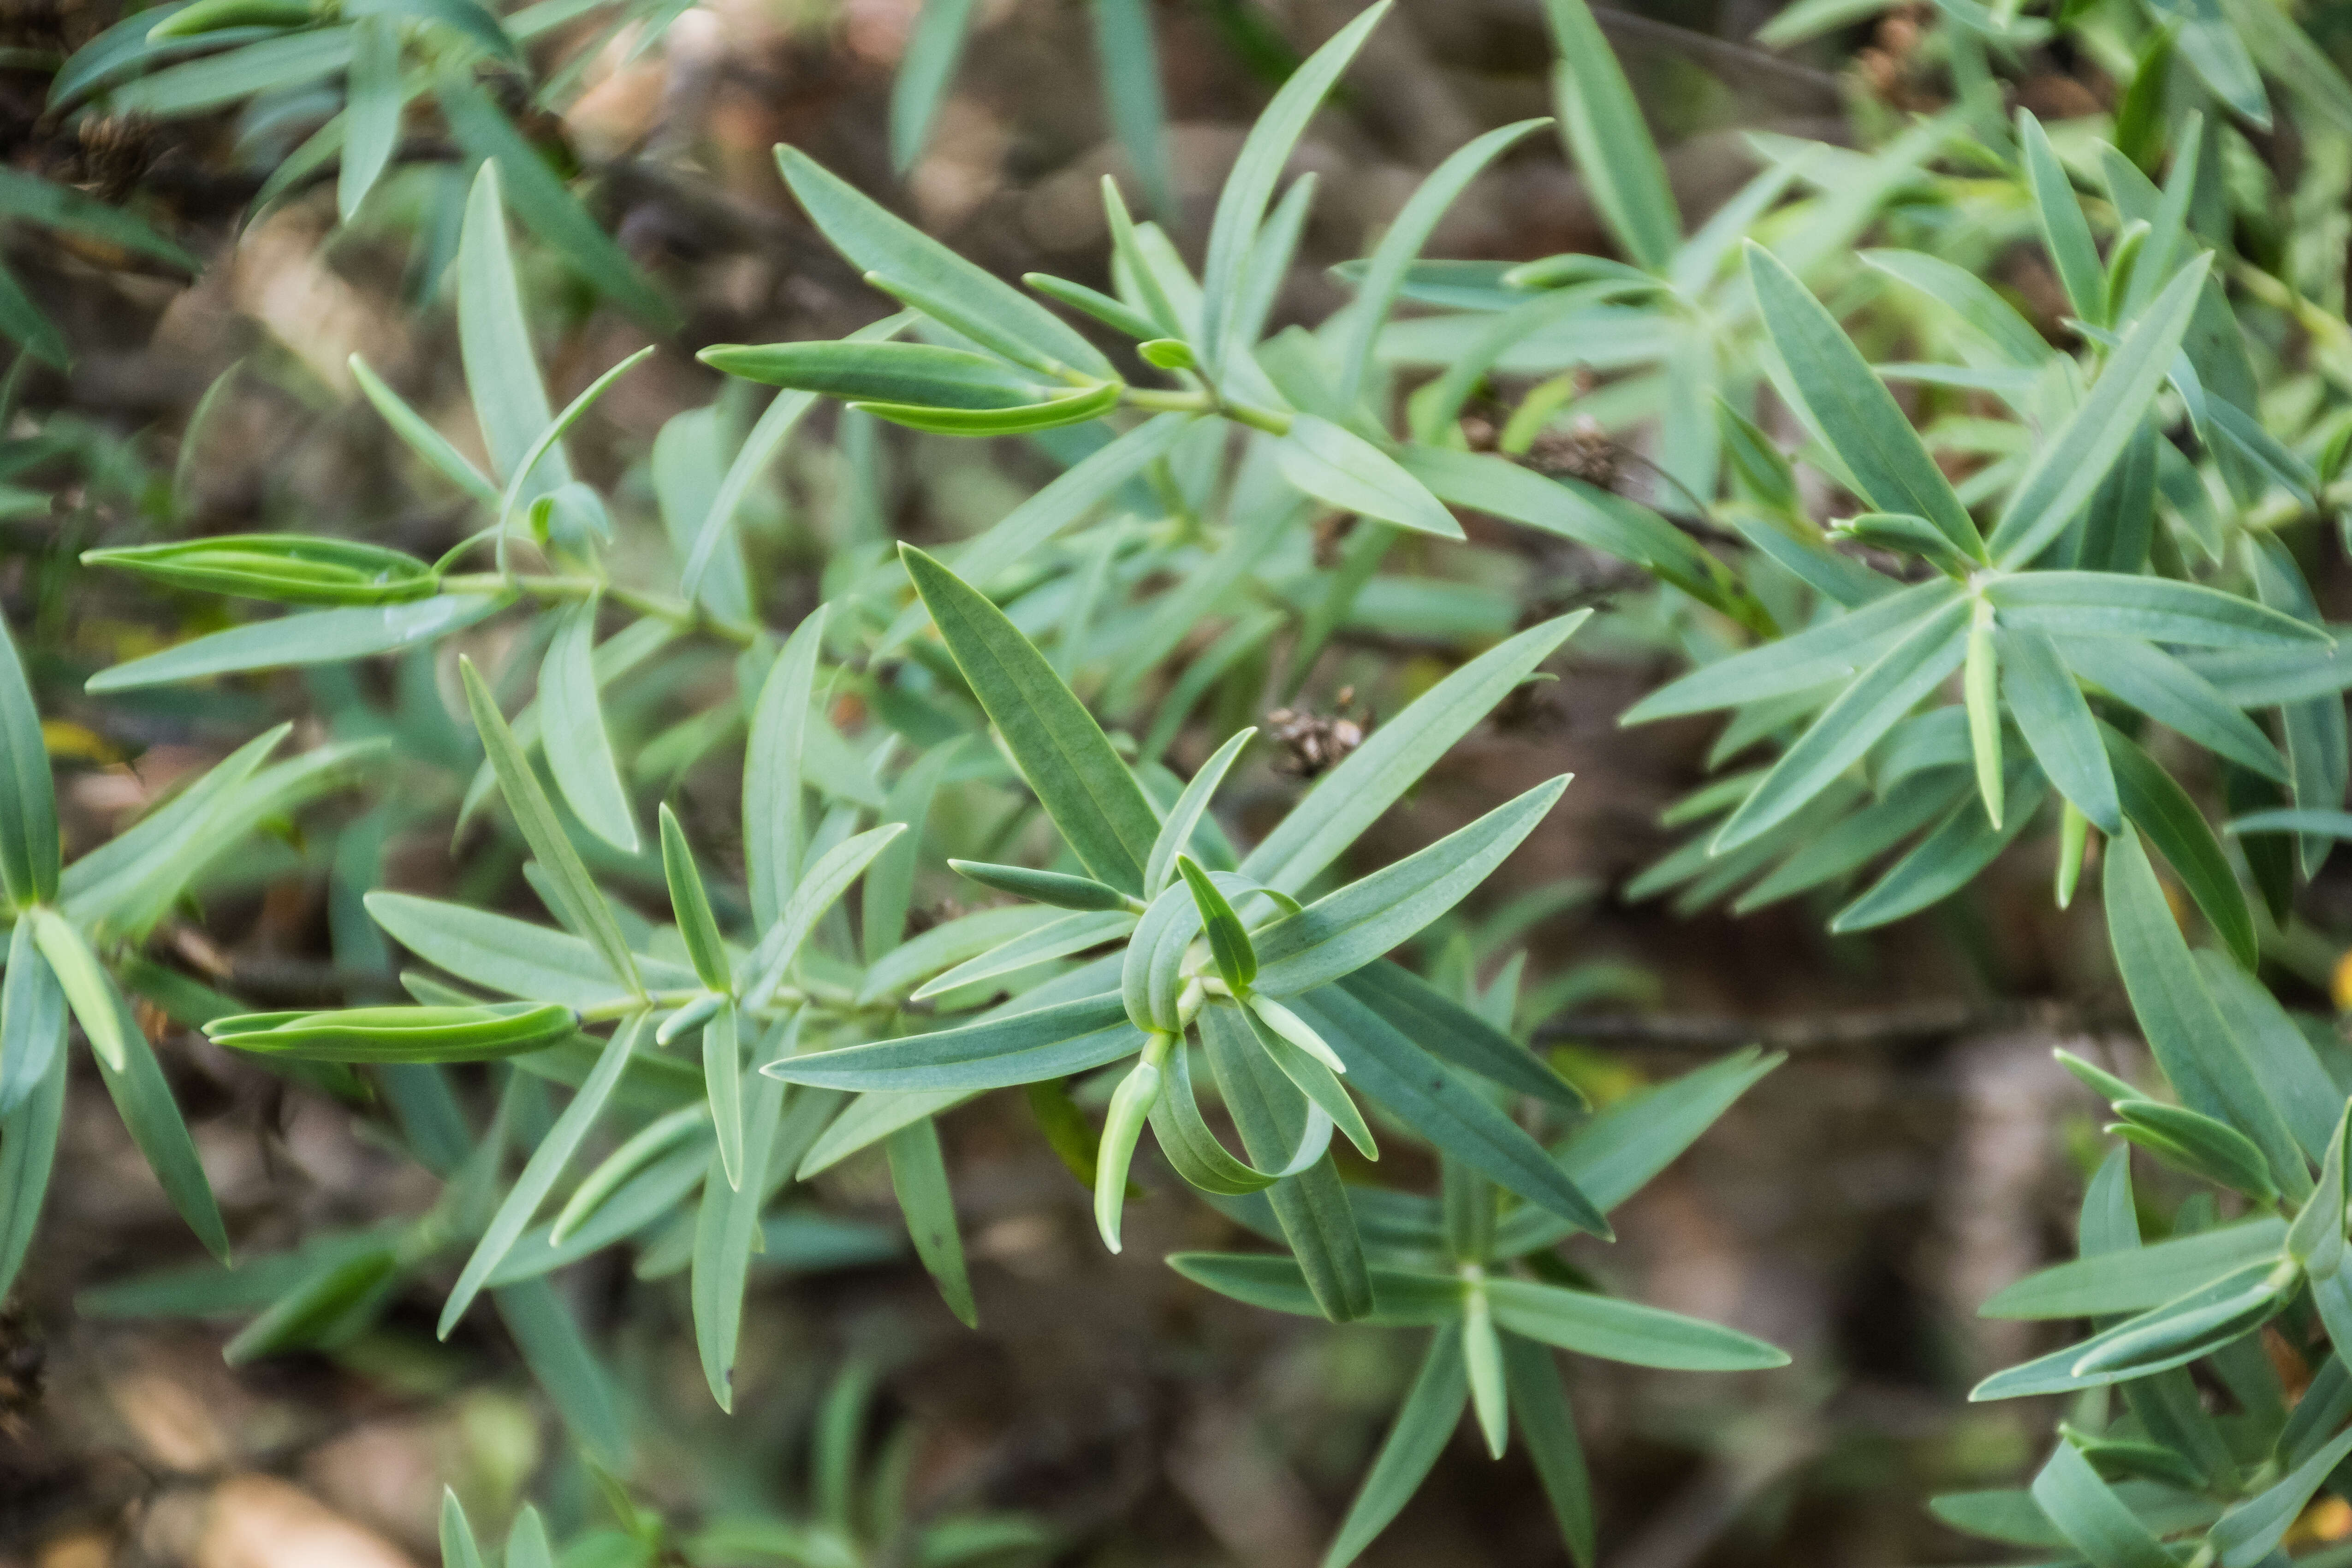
{"points": [[316, 636], [1344, 930], [1400, 1299], [143, 1099], [28, 1146], [1055, 939], [2156, 804], [1057, 887], [399, 1034], [1836, 650], [1865, 711], [902, 373], [1229, 942], [2169, 691], [32, 1018], [1384, 274], [1063, 754], [1021, 1047], [2056, 722], [572, 730], [1610, 141], [2248, 1533], [2065, 233], [2092, 1518], [826, 880], [722, 1078], [919, 1175], [534, 815], [2316, 1239], [1278, 1124], [1625, 1331], [510, 956], [1454, 1115], [1540, 1405], [962, 294], [1240, 204], [290, 568], [2194, 1046], [689, 900], [774, 832], [1980, 683], [1851, 407], [2170, 1335], [2139, 1277], [1176, 832], [2075, 459], [2196, 1143], [494, 338], [541, 1171], [1310, 1072], [1344, 470], [1425, 1421], [1445, 1028], [726, 1229], [1351, 797], [87, 990]]}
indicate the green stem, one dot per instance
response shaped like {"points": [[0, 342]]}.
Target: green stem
{"points": [[1206, 402], [686, 618]]}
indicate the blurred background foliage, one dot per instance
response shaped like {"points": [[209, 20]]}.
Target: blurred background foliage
{"points": [[189, 277]]}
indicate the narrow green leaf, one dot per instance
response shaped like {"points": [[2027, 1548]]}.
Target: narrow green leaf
{"points": [[1624, 1331], [1424, 1423], [1241, 205], [2110, 604], [1063, 754], [1982, 688], [918, 1175], [1309, 1071], [924, 72], [1539, 1402], [2249, 1534], [2091, 1517], [726, 1229], [32, 1018], [2057, 725], [28, 1145], [1853, 407], [1610, 144], [535, 818], [438, 452], [1974, 301], [2169, 691], [874, 241], [1022, 1048], [817, 891], [1130, 63], [494, 339], [2065, 232], [540, 1171], [371, 113], [1351, 797], [318, 636], [143, 1099], [722, 1077], [1310, 1206], [689, 900], [1229, 943], [1131, 1103], [1344, 930], [1454, 1115], [1176, 832], [1853, 723], [1344, 470], [2156, 804], [2139, 1277], [398, 1033], [1384, 274], [572, 727], [2184, 1028], [1057, 887], [2074, 459]]}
